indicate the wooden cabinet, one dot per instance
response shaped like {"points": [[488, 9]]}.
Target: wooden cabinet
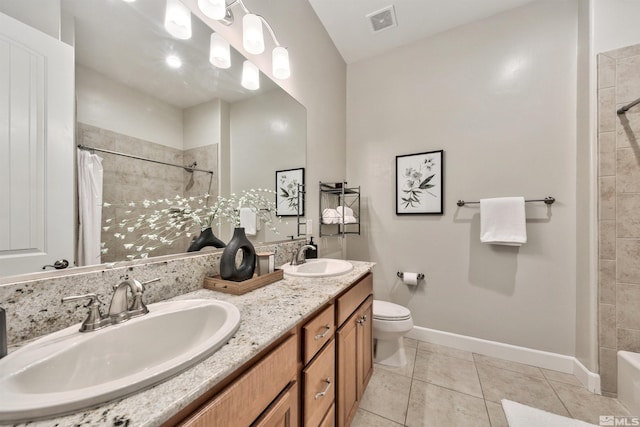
{"points": [[283, 412], [319, 386], [354, 340], [241, 403], [314, 378], [317, 332]]}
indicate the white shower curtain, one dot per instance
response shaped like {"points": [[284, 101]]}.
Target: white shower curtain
{"points": [[89, 207]]}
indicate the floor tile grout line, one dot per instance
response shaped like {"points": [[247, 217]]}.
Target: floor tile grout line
{"points": [[558, 396], [406, 414], [484, 399], [381, 416]]}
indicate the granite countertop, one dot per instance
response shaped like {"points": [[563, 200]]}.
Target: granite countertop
{"points": [[266, 314]]}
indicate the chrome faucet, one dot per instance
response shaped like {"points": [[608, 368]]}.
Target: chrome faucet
{"points": [[301, 251], [121, 308]]}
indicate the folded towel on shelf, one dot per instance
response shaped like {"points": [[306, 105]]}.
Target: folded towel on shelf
{"points": [[330, 216], [350, 219], [502, 221], [343, 210], [248, 220]]}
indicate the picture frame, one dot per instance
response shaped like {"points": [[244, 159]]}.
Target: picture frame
{"points": [[420, 183], [288, 198]]}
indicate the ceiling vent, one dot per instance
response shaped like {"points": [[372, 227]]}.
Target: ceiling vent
{"points": [[383, 19]]}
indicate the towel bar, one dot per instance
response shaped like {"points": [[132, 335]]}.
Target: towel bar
{"points": [[547, 200]]}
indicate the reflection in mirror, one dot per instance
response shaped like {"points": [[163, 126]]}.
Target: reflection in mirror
{"points": [[131, 99]]}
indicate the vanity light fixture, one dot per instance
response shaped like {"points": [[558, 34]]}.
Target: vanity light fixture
{"points": [[252, 37], [219, 51], [250, 76], [214, 9], [252, 34], [177, 20]]}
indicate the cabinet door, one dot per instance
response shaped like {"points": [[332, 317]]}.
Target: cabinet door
{"points": [[347, 341], [283, 412], [365, 345]]}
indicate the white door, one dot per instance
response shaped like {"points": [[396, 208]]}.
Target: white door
{"points": [[36, 149]]}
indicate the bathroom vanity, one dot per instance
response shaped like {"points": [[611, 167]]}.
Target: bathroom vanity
{"points": [[301, 356], [318, 369]]}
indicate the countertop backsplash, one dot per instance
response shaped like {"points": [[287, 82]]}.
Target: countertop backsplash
{"points": [[34, 308]]}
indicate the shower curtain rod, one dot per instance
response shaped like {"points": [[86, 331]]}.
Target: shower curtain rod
{"points": [[624, 109], [187, 168]]}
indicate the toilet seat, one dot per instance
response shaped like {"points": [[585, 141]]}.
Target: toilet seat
{"points": [[388, 311]]}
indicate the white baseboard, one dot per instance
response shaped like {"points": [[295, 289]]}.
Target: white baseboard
{"points": [[529, 356]]}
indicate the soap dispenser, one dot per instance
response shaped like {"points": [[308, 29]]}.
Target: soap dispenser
{"points": [[311, 253]]}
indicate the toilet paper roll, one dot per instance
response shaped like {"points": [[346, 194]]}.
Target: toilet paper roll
{"points": [[409, 278]]}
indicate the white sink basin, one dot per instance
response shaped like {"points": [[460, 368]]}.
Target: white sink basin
{"points": [[320, 267], [67, 371]]}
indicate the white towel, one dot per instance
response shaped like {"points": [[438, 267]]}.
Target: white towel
{"points": [[502, 221], [248, 220], [330, 216], [350, 219], [343, 210]]}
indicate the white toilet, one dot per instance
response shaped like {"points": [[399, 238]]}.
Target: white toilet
{"points": [[391, 322]]}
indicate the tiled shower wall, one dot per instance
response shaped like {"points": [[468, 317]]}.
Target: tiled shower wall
{"points": [[619, 209], [130, 180]]}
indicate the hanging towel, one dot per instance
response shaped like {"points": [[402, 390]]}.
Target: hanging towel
{"points": [[248, 220], [502, 221]]}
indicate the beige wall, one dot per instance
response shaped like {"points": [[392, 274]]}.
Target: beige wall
{"points": [[107, 104], [619, 209], [267, 134], [318, 81], [499, 96]]}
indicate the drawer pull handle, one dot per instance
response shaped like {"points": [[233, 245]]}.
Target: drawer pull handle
{"points": [[324, 392], [362, 319], [320, 336]]}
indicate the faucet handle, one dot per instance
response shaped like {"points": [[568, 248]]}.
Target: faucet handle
{"points": [[94, 320], [137, 306]]}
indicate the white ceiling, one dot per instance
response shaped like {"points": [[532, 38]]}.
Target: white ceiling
{"points": [[350, 30]]}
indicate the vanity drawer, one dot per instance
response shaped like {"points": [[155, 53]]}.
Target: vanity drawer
{"points": [[317, 332], [351, 300], [319, 386], [329, 420], [246, 398]]}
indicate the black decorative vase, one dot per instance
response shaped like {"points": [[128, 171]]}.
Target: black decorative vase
{"points": [[228, 268], [206, 238]]}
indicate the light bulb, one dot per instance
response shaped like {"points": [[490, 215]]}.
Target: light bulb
{"points": [[250, 76], [173, 61], [177, 20], [252, 38], [219, 51], [280, 63], [214, 9]]}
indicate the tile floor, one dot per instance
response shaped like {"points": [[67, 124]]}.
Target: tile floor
{"points": [[442, 386]]}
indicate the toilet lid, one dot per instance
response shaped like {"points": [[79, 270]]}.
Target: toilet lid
{"points": [[384, 310]]}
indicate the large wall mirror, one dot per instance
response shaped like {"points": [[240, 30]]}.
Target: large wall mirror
{"points": [[142, 93]]}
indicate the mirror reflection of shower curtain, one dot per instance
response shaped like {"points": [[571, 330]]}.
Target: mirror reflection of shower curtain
{"points": [[89, 207]]}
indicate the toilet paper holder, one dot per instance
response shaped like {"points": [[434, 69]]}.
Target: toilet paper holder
{"points": [[400, 274]]}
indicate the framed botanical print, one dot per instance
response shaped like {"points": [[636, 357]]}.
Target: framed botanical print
{"points": [[420, 183], [289, 199]]}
